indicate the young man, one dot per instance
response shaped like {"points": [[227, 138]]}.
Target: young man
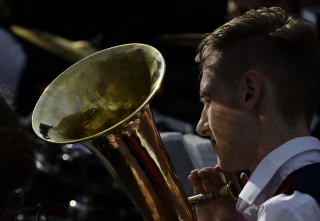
{"points": [[260, 87]]}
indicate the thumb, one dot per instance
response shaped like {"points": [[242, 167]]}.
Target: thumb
{"points": [[244, 178]]}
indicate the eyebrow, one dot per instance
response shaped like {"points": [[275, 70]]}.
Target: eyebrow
{"points": [[206, 90], [203, 94]]}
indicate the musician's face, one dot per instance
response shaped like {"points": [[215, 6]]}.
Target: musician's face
{"points": [[227, 125]]}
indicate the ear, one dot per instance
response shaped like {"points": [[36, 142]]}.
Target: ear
{"points": [[251, 82]]}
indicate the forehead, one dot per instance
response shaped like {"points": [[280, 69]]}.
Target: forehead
{"points": [[209, 81], [206, 84]]}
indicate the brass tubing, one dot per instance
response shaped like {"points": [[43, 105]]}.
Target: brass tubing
{"points": [[228, 191], [102, 103]]}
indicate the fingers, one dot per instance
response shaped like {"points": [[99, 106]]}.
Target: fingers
{"points": [[196, 181], [211, 177], [244, 178], [230, 176], [206, 180], [111, 137]]}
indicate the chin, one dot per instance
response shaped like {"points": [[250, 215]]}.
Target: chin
{"points": [[228, 166], [223, 166]]}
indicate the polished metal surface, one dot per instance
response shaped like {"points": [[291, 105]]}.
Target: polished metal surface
{"points": [[102, 102]]}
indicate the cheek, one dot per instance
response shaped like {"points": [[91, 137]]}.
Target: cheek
{"points": [[227, 126], [233, 132]]}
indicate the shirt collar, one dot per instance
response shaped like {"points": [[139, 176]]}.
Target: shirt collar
{"points": [[272, 162]]}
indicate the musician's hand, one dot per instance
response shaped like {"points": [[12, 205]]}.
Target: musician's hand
{"points": [[210, 179]]}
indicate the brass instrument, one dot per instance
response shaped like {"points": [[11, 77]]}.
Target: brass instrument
{"points": [[102, 102], [228, 191]]}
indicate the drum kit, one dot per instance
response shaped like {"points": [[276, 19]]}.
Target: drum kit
{"points": [[72, 51], [71, 184]]}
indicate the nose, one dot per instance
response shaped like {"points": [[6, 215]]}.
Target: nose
{"points": [[203, 128]]}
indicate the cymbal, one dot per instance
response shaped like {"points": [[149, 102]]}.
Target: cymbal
{"points": [[189, 40], [70, 50]]}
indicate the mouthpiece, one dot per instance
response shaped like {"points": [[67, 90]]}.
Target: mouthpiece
{"points": [[228, 191]]}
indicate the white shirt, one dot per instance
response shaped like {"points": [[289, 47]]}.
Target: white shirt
{"points": [[256, 201]]}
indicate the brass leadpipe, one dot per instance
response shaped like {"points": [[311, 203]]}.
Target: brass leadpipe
{"points": [[228, 191]]}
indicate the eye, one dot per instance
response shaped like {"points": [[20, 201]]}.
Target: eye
{"points": [[205, 100]]}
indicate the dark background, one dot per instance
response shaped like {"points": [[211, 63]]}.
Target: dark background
{"points": [[109, 23], [106, 24]]}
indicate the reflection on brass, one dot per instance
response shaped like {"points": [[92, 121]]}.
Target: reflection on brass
{"points": [[228, 191], [102, 102], [44, 129]]}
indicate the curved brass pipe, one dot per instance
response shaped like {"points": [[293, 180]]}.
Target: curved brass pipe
{"points": [[228, 191]]}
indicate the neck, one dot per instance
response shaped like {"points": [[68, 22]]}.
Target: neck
{"points": [[274, 135]]}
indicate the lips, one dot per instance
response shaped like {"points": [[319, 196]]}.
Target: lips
{"points": [[213, 141]]}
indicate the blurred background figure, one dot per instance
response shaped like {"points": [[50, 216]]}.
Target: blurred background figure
{"points": [[238, 7], [308, 9], [17, 162], [13, 58]]}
